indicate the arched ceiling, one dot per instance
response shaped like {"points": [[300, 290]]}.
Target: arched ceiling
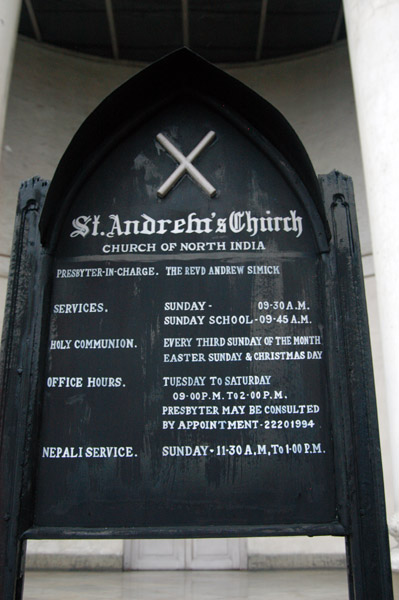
{"points": [[219, 30]]}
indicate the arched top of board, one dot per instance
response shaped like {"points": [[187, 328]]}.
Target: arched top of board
{"points": [[199, 118]]}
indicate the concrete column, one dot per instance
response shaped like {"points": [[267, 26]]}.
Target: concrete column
{"points": [[9, 19], [372, 27]]}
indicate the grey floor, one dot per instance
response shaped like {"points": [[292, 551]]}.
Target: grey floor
{"points": [[186, 585]]}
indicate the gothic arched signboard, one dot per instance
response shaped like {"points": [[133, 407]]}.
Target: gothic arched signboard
{"points": [[187, 365]]}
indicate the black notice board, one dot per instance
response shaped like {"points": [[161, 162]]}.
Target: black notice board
{"points": [[185, 362], [178, 356]]}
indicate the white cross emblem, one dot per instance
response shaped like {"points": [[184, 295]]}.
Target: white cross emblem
{"points": [[185, 165]]}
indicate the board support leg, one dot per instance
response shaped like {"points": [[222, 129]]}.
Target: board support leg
{"points": [[367, 547], [349, 569], [20, 570], [12, 575]]}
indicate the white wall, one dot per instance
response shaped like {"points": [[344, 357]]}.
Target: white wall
{"points": [[9, 18], [51, 94]]}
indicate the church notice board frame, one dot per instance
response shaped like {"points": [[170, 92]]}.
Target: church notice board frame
{"points": [[186, 349]]}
